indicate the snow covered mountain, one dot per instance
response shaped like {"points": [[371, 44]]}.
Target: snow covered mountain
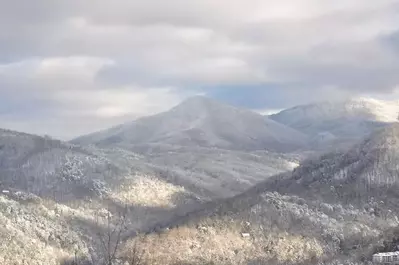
{"points": [[64, 172], [50, 168], [369, 169], [340, 121], [337, 209], [215, 173], [52, 192], [187, 165], [203, 122]]}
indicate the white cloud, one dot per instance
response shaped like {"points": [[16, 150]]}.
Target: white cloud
{"points": [[91, 64], [68, 95], [86, 67]]}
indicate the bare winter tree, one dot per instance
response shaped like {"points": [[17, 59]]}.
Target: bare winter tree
{"points": [[111, 236], [136, 255]]}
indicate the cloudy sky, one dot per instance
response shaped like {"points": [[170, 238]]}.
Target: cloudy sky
{"points": [[69, 67]]}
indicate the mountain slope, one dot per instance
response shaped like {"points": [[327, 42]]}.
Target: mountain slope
{"points": [[65, 172], [216, 173], [200, 121], [369, 169], [342, 207], [340, 121], [52, 192], [48, 167]]}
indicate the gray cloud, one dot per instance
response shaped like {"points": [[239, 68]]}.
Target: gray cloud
{"points": [[392, 41], [86, 65]]}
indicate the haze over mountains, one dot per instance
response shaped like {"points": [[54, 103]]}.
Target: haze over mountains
{"points": [[209, 172], [339, 121]]}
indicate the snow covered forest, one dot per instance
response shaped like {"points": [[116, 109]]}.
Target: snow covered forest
{"points": [[206, 183]]}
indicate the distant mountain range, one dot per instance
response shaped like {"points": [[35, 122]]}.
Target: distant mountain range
{"points": [[339, 122], [202, 122], [210, 182]]}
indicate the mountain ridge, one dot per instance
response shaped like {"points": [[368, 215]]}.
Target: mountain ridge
{"points": [[200, 121], [341, 122], [369, 166], [337, 209], [380, 110], [222, 204]]}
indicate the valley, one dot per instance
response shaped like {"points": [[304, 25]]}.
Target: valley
{"points": [[207, 183]]}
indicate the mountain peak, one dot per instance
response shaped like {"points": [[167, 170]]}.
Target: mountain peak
{"points": [[198, 103], [358, 108], [205, 122], [201, 107], [350, 119], [198, 99]]}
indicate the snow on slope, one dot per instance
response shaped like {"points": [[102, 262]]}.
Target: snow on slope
{"points": [[365, 108], [218, 173], [53, 186], [336, 209], [340, 118], [200, 121], [369, 169], [63, 172], [51, 193]]}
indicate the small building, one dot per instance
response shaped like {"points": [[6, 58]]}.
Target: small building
{"points": [[245, 235], [386, 258]]}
